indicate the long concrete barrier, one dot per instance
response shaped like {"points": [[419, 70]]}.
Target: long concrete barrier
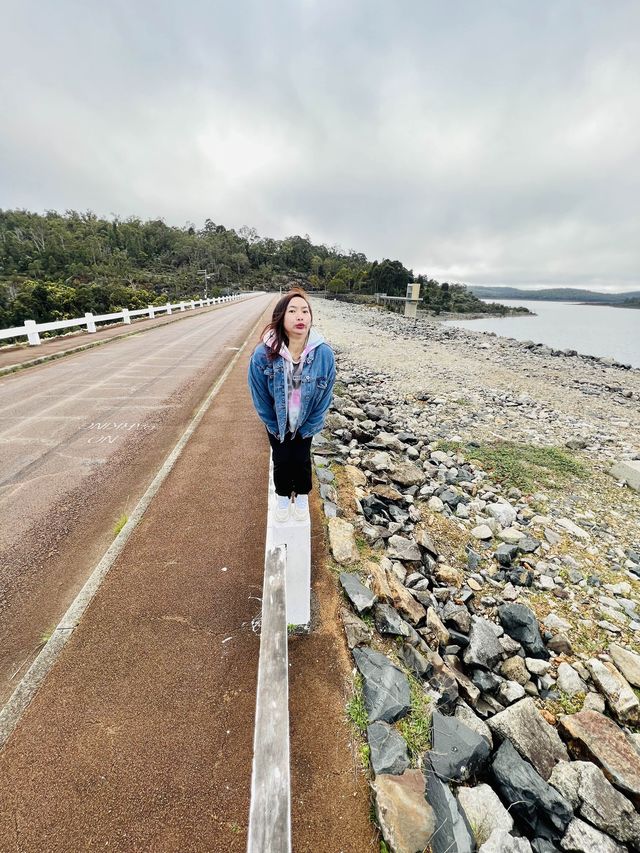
{"points": [[286, 603], [270, 811]]}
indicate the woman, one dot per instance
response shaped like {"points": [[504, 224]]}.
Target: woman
{"points": [[291, 378]]}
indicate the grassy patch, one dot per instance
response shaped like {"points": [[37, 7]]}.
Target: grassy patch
{"points": [[356, 711], [565, 704], [526, 466], [120, 523], [364, 751], [415, 728]]}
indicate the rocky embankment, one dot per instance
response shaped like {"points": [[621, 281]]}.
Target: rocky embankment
{"points": [[495, 629]]}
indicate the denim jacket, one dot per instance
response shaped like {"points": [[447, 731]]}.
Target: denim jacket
{"points": [[268, 386]]}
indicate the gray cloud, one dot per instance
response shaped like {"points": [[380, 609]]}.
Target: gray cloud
{"points": [[487, 142]]}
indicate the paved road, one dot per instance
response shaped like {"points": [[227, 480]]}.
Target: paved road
{"points": [[80, 439], [140, 738]]}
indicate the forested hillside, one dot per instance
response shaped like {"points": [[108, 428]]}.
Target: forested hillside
{"points": [[55, 266]]}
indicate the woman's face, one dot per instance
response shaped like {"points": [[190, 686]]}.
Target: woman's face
{"points": [[297, 318]]}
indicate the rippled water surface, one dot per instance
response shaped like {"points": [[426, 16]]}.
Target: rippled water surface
{"points": [[589, 329]]}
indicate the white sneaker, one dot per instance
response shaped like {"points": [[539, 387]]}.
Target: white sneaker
{"points": [[282, 514], [300, 513]]}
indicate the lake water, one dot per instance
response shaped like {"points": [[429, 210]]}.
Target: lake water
{"points": [[589, 329]]}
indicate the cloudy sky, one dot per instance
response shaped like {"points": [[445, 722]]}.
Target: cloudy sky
{"points": [[483, 141]]}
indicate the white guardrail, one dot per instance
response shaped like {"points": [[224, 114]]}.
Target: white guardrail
{"points": [[32, 329], [286, 601]]}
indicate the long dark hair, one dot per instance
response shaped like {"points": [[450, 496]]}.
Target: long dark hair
{"points": [[277, 321]]}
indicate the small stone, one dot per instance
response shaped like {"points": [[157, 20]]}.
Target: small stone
{"points": [[449, 576], [407, 474], [627, 662], [404, 602], [594, 702], [514, 669], [342, 541], [358, 632], [620, 697], [434, 624], [513, 536], [358, 594], [510, 593], [503, 513], [556, 623], [520, 622], [537, 667], [573, 528], [482, 532], [509, 692], [389, 621], [560, 645], [483, 650], [505, 554], [400, 548], [569, 681]]}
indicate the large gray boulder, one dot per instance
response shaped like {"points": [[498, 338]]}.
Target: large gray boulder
{"points": [[501, 841], [629, 471], [405, 817], [457, 752], [388, 749], [385, 688], [484, 811], [531, 735], [452, 833], [594, 736], [583, 838], [537, 804], [596, 800]]}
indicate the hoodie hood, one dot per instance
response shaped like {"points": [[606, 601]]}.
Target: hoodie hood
{"points": [[315, 339]]}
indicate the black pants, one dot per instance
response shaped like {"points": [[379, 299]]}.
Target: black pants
{"points": [[291, 464]]}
